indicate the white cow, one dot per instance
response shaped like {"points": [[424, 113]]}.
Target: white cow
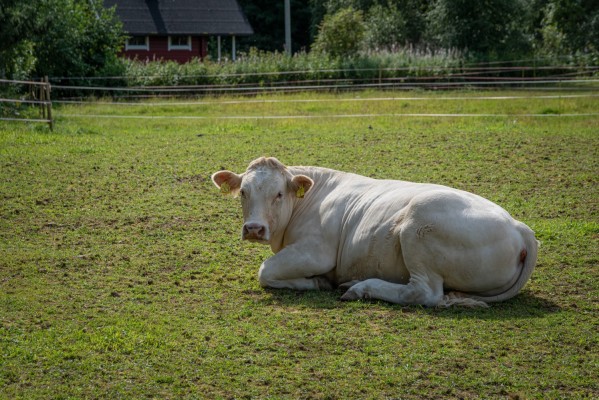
{"points": [[401, 242]]}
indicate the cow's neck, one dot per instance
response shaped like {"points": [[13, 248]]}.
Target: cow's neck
{"points": [[321, 177], [276, 242]]}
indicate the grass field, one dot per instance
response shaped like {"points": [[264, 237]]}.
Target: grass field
{"points": [[122, 274]]}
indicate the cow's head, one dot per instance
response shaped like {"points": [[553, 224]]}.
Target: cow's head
{"points": [[268, 192]]}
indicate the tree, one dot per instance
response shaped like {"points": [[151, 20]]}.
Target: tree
{"points": [[341, 34], [18, 27], [484, 28], [60, 37], [571, 26], [267, 19]]}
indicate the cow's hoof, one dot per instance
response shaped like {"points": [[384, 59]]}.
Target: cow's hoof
{"points": [[351, 295]]}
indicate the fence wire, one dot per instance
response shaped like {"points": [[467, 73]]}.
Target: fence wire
{"points": [[584, 81], [499, 76]]}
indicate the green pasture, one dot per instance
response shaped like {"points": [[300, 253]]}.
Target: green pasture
{"points": [[122, 273]]}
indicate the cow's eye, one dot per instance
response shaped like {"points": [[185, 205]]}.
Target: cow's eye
{"points": [[242, 193], [279, 195]]}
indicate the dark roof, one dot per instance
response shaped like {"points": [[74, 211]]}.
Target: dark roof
{"points": [[181, 17]]}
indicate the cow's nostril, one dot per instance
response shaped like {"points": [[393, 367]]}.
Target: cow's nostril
{"points": [[254, 231]]}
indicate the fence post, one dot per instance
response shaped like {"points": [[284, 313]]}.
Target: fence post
{"points": [[48, 99], [42, 96]]}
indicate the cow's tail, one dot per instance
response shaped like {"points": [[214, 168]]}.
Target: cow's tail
{"points": [[528, 259]]}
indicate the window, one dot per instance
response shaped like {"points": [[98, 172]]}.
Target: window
{"points": [[179, 42], [137, 43]]}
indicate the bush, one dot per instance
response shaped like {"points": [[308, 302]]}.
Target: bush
{"points": [[341, 34], [385, 28]]}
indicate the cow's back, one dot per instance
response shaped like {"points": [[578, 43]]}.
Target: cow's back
{"points": [[357, 216]]}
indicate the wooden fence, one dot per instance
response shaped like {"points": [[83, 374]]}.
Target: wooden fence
{"points": [[37, 95]]}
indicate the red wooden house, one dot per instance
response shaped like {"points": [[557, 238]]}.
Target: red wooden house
{"points": [[178, 29]]}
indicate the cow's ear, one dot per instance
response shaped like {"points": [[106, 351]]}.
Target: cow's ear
{"points": [[300, 184], [228, 182]]}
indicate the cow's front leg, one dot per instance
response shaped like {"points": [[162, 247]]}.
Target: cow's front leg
{"points": [[297, 267]]}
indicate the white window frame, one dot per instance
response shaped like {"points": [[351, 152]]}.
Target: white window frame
{"points": [[137, 46], [179, 47]]}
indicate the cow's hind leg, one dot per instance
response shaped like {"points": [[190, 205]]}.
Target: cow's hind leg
{"points": [[426, 291]]}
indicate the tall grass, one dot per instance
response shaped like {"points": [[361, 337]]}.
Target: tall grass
{"points": [[273, 69], [259, 67]]}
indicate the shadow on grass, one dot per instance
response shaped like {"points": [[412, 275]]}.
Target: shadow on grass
{"points": [[524, 305]]}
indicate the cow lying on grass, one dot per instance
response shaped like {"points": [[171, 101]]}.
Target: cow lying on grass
{"points": [[401, 242]]}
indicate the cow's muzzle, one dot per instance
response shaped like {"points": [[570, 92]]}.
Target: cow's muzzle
{"points": [[255, 232]]}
